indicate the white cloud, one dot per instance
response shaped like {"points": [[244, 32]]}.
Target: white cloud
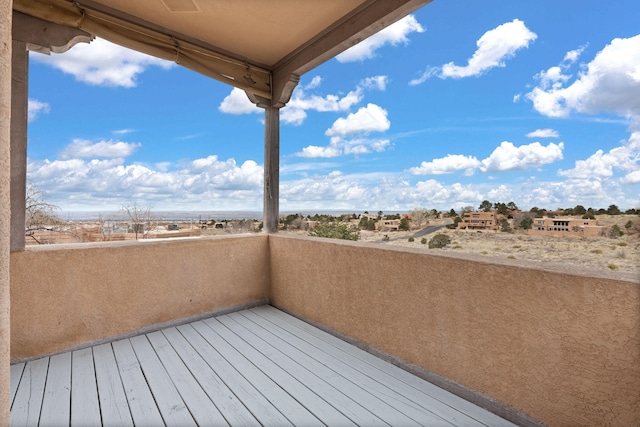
{"points": [[314, 83], [342, 146], [573, 55], [314, 151], [349, 135], [295, 112], [35, 108], [362, 145], [631, 178], [102, 63], [301, 101], [494, 47], [543, 133], [237, 102], [505, 157], [293, 116], [207, 183], [86, 149], [500, 194], [508, 157], [609, 83], [384, 191], [375, 82], [122, 131], [601, 165], [371, 118], [449, 164], [441, 195], [393, 35]]}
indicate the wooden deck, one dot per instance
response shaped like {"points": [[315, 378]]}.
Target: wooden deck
{"points": [[253, 367]]}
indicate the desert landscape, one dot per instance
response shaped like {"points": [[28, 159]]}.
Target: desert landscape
{"points": [[621, 254]]}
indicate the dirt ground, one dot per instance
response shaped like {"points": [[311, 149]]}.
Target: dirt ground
{"points": [[621, 254]]}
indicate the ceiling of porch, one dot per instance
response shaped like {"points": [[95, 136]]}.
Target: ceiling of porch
{"points": [[259, 46]]}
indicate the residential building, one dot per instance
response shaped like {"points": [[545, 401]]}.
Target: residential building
{"points": [[479, 221], [567, 226], [388, 225]]}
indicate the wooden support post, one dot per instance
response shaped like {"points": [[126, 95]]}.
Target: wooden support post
{"points": [[271, 169], [5, 203], [19, 116]]}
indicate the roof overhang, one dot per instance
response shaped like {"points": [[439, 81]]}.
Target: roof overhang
{"points": [[259, 46]]}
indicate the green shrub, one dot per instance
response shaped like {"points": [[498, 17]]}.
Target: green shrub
{"points": [[615, 231], [612, 266], [411, 239], [334, 230], [622, 244], [423, 241], [596, 251], [439, 241]]}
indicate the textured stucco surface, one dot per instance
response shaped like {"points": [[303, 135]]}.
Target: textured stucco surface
{"points": [[5, 205], [65, 296], [563, 348]]}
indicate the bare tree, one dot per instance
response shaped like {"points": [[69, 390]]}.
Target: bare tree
{"points": [[418, 215], [141, 219], [39, 214]]}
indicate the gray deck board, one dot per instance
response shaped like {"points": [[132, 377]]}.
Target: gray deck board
{"points": [[433, 396], [85, 408], [201, 407], [231, 408], [249, 368], [166, 396], [16, 375], [279, 354], [256, 403], [309, 395], [144, 410], [28, 401], [344, 379], [114, 407], [56, 402]]}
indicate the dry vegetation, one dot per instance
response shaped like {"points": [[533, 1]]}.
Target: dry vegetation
{"points": [[621, 254]]}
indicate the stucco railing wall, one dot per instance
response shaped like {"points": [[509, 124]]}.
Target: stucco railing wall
{"points": [[63, 296], [563, 348]]}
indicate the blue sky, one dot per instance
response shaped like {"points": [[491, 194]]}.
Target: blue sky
{"points": [[532, 102]]}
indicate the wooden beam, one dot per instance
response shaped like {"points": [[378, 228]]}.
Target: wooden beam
{"points": [[19, 115], [44, 36], [271, 214]]}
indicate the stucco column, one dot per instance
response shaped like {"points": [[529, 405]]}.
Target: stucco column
{"points": [[19, 115], [271, 169], [5, 200]]}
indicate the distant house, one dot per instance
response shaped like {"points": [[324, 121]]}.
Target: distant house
{"points": [[369, 216], [479, 221], [565, 226], [388, 224]]}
